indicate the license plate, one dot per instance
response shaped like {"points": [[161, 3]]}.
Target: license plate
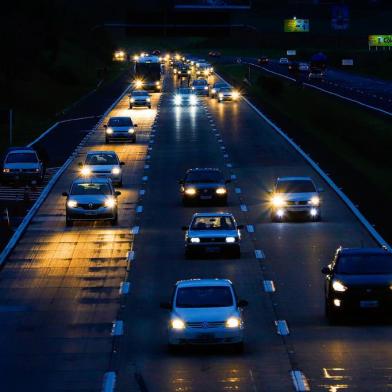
{"points": [[205, 197], [368, 304], [91, 213], [212, 249], [206, 336]]}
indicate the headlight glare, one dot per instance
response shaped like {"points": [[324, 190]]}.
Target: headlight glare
{"points": [[221, 191], [116, 170], [131, 130], [233, 322], [236, 94], [109, 131], [278, 201], [110, 202], [315, 201], [72, 204], [86, 171], [338, 286], [177, 324], [230, 240], [195, 240], [177, 99], [190, 191]]}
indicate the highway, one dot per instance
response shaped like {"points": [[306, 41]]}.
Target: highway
{"points": [[60, 288]]}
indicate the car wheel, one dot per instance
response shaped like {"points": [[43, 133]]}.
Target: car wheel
{"points": [[68, 222]]}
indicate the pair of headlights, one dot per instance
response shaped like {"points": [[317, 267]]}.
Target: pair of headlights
{"points": [[196, 240], [86, 171], [193, 191], [231, 322], [109, 131], [147, 100], [279, 201], [109, 202]]}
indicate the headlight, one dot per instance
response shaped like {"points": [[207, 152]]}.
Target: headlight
{"points": [[189, 72], [72, 204], [37, 170], [314, 201], [177, 99], [190, 191], [278, 201], [109, 131], [230, 240], [157, 83], [193, 87], [116, 170], [213, 90], [138, 83], [192, 99], [6, 170], [86, 171], [212, 69], [205, 87], [233, 322], [148, 99], [132, 100], [174, 70], [220, 95], [177, 324], [236, 94], [131, 130], [195, 240], [338, 286], [111, 202], [221, 191]]}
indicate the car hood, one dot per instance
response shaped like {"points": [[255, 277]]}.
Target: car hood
{"points": [[205, 185], [140, 97], [213, 233], [365, 280], [89, 198], [205, 314], [121, 129], [29, 165], [101, 168], [199, 87], [299, 196]]}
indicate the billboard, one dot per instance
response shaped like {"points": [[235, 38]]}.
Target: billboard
{"points": [[212, 4], [296, 25], [380, 40]]}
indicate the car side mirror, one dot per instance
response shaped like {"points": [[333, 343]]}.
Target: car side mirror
{"points": [[326, 270], [135, 125], [165, 305], [122, 163], [117, 193], [184, 228], [105, 126], [227, 181], [80, 164], [240, 227], [65, 194], [242, 303]]}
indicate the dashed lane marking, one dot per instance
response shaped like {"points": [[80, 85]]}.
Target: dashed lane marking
{"points": [[259, 254], [135, 230], [139, 209], [238, 191], [300, 382], [243, 208], [269, 286], [282, 327], [118, 328], [250, 228], [109, 382], [124, 288]]}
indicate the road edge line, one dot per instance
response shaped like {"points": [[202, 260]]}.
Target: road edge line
{"points": [[321, 173], [45, 192]]}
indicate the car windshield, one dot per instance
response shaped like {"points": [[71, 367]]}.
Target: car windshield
{"points": [[220, 85], [225, 90], [297, 186], [204, 176], [120, 122], [101, 159], [365, 264], [204, 297], [22, 157], [138, 93], [200, 82], [90, 189], [213, 223], [184, 91]]}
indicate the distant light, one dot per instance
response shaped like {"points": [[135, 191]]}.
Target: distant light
{"points": [[294, 17]]}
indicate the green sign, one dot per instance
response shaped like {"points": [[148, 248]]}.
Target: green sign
{"points": [[380, 40], [296, 25]]}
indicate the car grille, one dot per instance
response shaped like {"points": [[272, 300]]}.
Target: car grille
{"points": [[206, 192], [297, 203], [90, 206], [206, 324]]}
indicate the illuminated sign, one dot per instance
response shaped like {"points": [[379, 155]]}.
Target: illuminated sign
{"points": [[380, 40], [296, 25]]}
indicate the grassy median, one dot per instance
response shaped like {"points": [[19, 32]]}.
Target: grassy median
{"points": [[351, 143]]}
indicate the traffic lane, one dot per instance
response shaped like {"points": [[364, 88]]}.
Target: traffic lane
{"points": [[61, 285], [184, 139], [296, 252]]}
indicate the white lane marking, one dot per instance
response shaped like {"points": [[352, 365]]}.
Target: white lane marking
{"points": [[250, 228], [131, 255], [135, 230], [229, 165], [244, 208], [124, 288], [79, 118], [220, 141], [151, 141], [139, 209], [145, 178], [300, 382], [148, 157], [142, 192], [149, 148], [233, 177], [43, 134], [118, 328], [109, 382], [225, 155], [282, 327], [146, 166], [223, 148], [269, 286], [325, 177], [259, 254], [238, 191]]}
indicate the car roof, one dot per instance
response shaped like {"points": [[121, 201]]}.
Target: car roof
{"points": [[200, 80], [118, 117], [12, 150], [204, 169], [98, 180], [101, 152], [363, 251], [212, 214], [303, 178], [204, 282]]}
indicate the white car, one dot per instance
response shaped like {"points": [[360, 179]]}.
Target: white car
{"points": [[139, 98], [120, 129], [185, 96], [283, 60], [200, 87], [205, 311], [102, 164], [293, 196], [228, 94]]}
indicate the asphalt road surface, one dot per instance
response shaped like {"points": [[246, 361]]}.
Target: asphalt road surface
{"points": [[59, 291]]}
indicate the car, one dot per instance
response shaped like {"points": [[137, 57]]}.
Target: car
{"points": [[120, 128], [263, 60], [205, 312], [295, 195], [102, 164], [215, 88], [214, 53], [284, 60], [22, 164], [139, 98], [228, 94], [204, 185], [183, 71], [91, 199], [200, 87], [185, 96], [303, 67], [358, 279], [204, 70], [215, 232]]}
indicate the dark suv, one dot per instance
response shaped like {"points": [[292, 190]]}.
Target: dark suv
{"points": [[204, 185], [358, 278]]}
